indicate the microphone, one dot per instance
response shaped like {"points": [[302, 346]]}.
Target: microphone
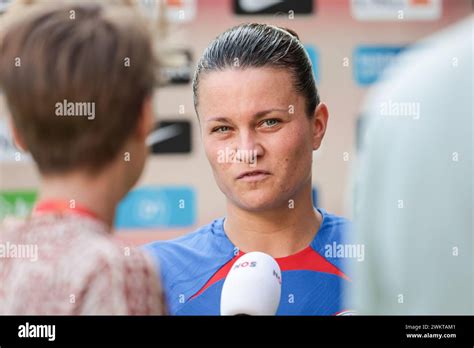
{"points": [[252, 287]]}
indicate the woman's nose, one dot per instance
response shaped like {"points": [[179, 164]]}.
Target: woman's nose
{"points": [[249, 148]]}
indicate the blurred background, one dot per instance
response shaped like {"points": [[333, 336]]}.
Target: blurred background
{"points": [[350, 44]]}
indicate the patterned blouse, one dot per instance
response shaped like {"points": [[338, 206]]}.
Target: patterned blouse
{"points": [[65, 263]]}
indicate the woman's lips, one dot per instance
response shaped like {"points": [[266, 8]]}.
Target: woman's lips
{"points": [[254, 175]]}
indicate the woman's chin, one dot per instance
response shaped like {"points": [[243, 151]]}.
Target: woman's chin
{"points": [[257, 201]]}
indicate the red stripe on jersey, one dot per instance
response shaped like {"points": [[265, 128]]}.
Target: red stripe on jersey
{"points": [[305, 260]]}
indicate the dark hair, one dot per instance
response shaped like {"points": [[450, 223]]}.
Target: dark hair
{"points": [[260, 45], [82, 61]]}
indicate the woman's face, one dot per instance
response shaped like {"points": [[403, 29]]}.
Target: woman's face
{"points": [[254, 121]]}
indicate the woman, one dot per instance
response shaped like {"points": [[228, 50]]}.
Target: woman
{"points": [[256, 99]]}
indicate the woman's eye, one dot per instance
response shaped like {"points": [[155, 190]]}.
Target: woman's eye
{"points": [[271, 122], [221, 129]]}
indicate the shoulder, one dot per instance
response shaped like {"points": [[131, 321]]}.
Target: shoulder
{"points": [[186, 263], [333, 228], [333, 236], [206, 242], [120, 274], [125, 278]]}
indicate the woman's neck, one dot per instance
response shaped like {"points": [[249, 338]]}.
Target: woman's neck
{"points": [[278, 232]]}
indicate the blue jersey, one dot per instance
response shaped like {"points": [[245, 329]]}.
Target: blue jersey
{"points": [[194, 267]]}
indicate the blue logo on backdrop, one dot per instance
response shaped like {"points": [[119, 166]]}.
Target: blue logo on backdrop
{"points": [[157, 207], [371, 61], [314, 57]]}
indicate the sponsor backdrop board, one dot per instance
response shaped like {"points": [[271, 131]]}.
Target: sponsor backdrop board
{"points": [[349, 43]]}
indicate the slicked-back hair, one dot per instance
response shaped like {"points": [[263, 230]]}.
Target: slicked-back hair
{"points": [[256, 46]]}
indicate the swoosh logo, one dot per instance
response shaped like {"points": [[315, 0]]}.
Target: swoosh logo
{"points": [[163, 134], [257, 5]]}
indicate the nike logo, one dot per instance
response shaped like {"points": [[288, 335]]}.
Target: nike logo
{"points": [[163, 133], [257, 5]]}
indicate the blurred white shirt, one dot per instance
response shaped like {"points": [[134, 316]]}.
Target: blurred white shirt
{"points": [[413, 189]]}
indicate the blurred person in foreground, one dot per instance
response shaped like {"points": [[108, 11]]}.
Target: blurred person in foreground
{"points": [[78, 81], [413, 193]]}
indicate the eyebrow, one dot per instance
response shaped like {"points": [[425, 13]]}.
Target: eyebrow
{"points": [[256, 116]]}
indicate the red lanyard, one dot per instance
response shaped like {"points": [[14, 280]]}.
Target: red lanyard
{"points": [[63, 207]]}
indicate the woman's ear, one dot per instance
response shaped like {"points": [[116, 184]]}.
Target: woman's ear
{"points": [[319, 122]]}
